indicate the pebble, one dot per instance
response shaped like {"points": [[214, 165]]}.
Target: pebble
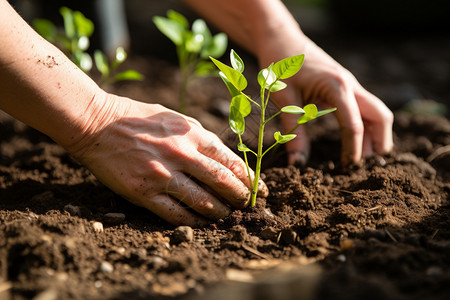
{"points": [[113, 218], [156, 262], [182, 234], [98, 227], [106, 267]]}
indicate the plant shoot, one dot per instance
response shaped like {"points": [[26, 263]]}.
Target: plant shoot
{"points": [[269, 80]]}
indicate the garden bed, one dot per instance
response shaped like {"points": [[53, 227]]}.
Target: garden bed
{"points": [[379, 231]]}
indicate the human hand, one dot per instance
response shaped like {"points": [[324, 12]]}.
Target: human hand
{"points": [[164, 161], [365, 121]]}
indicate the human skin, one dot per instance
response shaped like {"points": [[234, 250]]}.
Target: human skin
{"points": [[150, 155], [267, 29]]}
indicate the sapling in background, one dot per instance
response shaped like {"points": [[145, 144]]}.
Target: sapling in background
{"points": [[74, 42], [193, 45], [269, 80]]}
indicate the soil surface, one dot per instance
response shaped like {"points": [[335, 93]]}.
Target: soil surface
{"points": [[377, 231]]}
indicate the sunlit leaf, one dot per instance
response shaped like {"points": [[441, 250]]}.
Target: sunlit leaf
{"points": [[292, 109], [282, 139], [170, 28], [83, 26], [216, 47], [266, 77], [233, 91], [277, 86], [288, 67], [205, 69], [241, 103], [242, 147], [310, 114], [128, 75], [101, 62], [177, 17], [236, 79], [325, 111], [69, 23], [236, 61], [121, 54], [236, 121]]}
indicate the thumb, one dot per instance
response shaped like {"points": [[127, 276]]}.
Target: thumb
{"points": [[298, 149]]}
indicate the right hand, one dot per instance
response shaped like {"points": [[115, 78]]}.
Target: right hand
{"points": [[163, 161]]}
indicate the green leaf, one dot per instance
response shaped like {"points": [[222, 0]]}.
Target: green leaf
{"points": [[83, 26], [194, 42], [277, 86], [242, 147], [171, 29], [177, 17], [128, 75], [236, 61], [216, 47], [236, 121], [288, 67], [84, 61], [325, 111], [46, 29], [292, 109], [69, 23], [310, 114], [236, 79], [266, 77], [282, 139], [199, 27], [121, 55], [205, 69], [233, 91], [241, 103], [101, 63]]}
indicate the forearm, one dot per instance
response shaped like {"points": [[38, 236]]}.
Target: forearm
{"points": [[40, 86], [254, 24]]}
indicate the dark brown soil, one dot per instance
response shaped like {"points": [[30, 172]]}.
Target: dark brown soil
{"points": [[379, 231]]}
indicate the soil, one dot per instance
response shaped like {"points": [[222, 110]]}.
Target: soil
{"points": [[376, 231]]}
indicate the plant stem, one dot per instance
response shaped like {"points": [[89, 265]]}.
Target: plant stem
{"points": [[246, 164]]}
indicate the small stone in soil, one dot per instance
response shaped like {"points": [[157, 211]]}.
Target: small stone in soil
{"points": [[106, 267], [113, 218], [98, 227], [182, 234]]}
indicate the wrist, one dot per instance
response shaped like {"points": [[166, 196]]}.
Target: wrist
{"points": [[100, 112]]}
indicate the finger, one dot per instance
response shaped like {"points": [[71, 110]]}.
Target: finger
{"points": [[169, 210], [367, 149], [380, 118], [352, 128], [217, 151], [220, 178], [184, 189]]}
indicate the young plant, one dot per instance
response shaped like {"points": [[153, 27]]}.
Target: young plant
{"points": [[193, 47], [74, 42], [269, 80]]}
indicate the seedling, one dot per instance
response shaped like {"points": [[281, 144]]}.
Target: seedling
{"points": [[193, 47], [269, 80], [74, 42]]}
